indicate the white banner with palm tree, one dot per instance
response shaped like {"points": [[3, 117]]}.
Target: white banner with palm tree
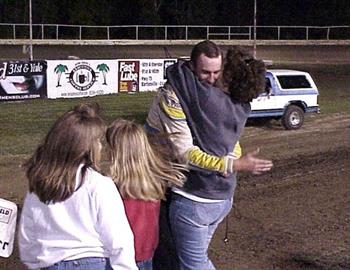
{"points": [[81, 78]]}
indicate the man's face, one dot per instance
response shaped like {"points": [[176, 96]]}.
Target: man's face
{"points": [[208, 69]]}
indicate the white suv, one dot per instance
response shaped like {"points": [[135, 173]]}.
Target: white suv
{"points": [[290, 94]]}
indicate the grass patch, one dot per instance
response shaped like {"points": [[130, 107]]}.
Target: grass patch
{"points": [[24, 124]]}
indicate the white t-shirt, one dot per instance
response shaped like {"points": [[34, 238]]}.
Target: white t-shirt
{"points": [[91, 223]]}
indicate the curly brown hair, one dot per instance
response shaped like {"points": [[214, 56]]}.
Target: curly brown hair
{"points": [[243, 76]]}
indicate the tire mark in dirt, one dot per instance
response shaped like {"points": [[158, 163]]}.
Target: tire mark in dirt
{"points": [[290, 171]]}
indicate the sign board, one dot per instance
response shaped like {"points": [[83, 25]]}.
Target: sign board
{"points": [[81, 78], [152, 75], [8, 217], [140, 75], [22, 80], [128, 75]]}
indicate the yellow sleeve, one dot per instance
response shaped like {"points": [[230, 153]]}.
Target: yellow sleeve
{"points": [[172, 109], [237, 150], [198, 158]]}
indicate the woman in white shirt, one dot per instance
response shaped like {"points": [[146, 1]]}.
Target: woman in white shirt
{"points": [[73, 216]]}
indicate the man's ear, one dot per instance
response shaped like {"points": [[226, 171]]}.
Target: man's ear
{"points": [[191, 64]]}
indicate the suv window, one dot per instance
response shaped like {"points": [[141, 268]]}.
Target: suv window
{"points": [[293, 82], [268, 87]]}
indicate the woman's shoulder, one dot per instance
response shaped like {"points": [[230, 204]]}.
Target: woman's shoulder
{"points": [[97, 180]]}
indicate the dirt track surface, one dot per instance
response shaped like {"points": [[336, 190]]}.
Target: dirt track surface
{"points": [[297, 216], [305, 53]]}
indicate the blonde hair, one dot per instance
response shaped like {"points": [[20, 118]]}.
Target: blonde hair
{"points": [[138, 169], [74, 139]]}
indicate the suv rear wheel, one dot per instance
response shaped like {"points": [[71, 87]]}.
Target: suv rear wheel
{"points": [[293, 117]]}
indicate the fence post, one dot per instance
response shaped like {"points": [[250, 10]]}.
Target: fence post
{"points": [[207, 32], [108, 32], [166, 32], [307, 32], [79, 32], [42, 31], [186, 32], [328, 29], [137, 32], [278, 32], [14, 31]]}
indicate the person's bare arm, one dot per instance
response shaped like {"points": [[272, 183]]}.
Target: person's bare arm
{"points": [[251, 163]]}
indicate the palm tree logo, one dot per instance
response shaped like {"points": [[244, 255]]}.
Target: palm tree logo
{"points": [[59, 69], [104, 69]]}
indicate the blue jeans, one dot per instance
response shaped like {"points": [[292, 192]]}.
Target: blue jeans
{"points": [[193, 225], [145, 265], [90, 263]]}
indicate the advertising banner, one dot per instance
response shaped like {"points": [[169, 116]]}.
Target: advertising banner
{"points": [[142, 74], [22, 80], [129, 74], [8, 217], [81, 78], [153, 74]]}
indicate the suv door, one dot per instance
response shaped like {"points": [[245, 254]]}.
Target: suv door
{"points": [[267, 100]]}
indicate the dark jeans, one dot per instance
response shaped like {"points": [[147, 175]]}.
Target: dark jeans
{"points": [[165, 256]]}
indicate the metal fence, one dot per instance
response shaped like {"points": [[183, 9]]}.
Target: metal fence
{"points": [[171, 32]]}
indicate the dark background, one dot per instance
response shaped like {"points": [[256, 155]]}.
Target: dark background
{"points": [[178, 12]]}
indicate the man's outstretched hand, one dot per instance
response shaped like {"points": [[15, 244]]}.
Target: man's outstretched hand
{"points": [[251, 163]]}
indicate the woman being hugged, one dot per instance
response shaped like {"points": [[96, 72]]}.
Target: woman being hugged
{"points": [[142, 173], [73, 216]]}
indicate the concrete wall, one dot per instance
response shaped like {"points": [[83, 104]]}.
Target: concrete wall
{"points": [[282, 51]]}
